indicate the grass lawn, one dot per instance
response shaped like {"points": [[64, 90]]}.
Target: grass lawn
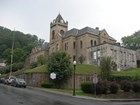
{"points": [[78, 92], [89, 69], [132, 72], [42, 68], [86, 69], [80, 69]]}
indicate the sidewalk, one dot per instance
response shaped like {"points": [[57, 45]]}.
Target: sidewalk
{"points": [[85, 97]]}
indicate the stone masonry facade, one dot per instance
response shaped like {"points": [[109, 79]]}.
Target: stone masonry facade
{"points": [[75, 41], [123, 58]]}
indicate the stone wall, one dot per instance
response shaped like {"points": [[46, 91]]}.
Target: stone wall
{"points": [[35, 79]]}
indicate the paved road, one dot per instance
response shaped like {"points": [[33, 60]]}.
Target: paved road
{"points": [[32, 96]]}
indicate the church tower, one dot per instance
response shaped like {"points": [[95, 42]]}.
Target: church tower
{"points": [[57, 28]]}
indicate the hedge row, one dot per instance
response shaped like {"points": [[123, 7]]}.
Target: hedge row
{"points": [[104, 87]]}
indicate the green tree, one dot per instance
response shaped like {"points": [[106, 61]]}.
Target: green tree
{"points": [[59, 63], [41, 60], [105, 64], [132, 41], [19, 55], [7, 55], [21, 40]]}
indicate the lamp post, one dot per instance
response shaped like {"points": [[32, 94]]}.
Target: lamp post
{"points": [[74, 65]]}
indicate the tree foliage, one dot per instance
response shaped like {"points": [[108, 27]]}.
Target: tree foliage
{"points": [[132, 41], [105, 64], [59, 63], [19, 55], [41, 60], [21, 40]]}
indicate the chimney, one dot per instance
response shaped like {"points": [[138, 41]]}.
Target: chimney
{"points": [[97, 28]]}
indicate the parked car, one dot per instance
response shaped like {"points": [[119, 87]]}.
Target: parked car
{"points": [[18, 82], [9, 79], [2, 80]]}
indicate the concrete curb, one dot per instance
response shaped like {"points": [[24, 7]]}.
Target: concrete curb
{"points": [[84, 97]]}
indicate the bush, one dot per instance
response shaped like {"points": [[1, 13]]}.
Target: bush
{"points": [[126, 86], [87, 87], [114, 87], [106, 85], [136, 87], [120, 78], [102, 87], [47, 85]]}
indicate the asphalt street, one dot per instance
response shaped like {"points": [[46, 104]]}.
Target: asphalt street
{"points": [[33, 96]]}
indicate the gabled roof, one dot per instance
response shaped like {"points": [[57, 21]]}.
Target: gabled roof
{"points": [[73, 32], [76, 32], [88, 30]]}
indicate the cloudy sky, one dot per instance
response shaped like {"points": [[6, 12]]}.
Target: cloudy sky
{"points": [[119, 17]]}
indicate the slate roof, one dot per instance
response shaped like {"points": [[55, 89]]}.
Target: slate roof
{"points": [[73, 32], [88, 30], [76, 32], [59, 18]]}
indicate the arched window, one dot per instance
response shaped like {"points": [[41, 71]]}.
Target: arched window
{"points": [[53, 34], [61, 32], [91, 43], [94, 43]]}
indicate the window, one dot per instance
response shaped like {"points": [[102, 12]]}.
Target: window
{"points": [[61, 32], [91, 43], [73, 45], [74, 58], [104, 41], [53, 34], [99, 54], [81, 44], [65, 47], [94, 43], [94, 55], [57, 47]]}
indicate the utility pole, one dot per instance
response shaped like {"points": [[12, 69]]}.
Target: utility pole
{"points": [[13, 39]]}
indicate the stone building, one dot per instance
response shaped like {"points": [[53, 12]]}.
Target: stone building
{"points": [[35, 53], [75, 41], [138, 57], [123, 58]]}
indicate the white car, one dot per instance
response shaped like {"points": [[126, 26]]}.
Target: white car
{"points": [[9, 79]]}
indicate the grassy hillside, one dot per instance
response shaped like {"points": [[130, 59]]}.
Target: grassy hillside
{"points": [[132, 72], [42, 68], [86, 69], [89, 69], [80, 69]]}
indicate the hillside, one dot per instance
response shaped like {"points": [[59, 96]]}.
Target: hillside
{"points": [[21, 40]]}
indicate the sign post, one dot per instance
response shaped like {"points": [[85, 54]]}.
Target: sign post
{"points": [[53, 75], [95, 81]]}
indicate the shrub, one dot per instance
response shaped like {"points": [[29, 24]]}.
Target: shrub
{"points": [[114, 87], [87, 87], [99, 88], [106, 85], [136, 87], [126, 85], [102, 87], [120, 78], [47, 85]]}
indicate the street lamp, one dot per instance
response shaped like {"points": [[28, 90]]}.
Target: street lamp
{"points": [[74, 65]]}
